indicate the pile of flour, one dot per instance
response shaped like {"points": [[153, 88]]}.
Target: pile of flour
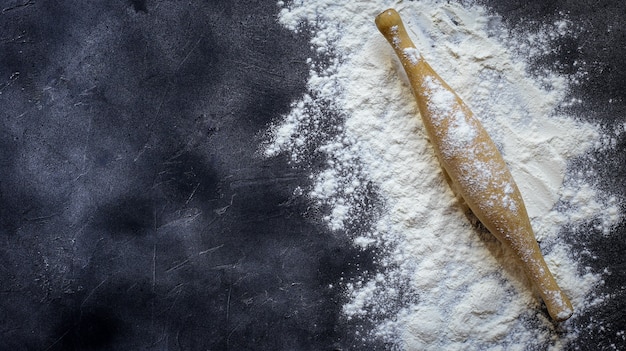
{"points": [[442, 281]]}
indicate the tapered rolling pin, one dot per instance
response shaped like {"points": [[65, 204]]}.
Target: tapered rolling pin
{"points": [[473, 164]]}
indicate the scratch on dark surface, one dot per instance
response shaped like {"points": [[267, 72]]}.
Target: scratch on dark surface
{"points": [[175, 289], [173, 159], [176, 292], [23, 113], [175, 267], [18, 6], [185, 218], [85, 149], [41, 218], [161, 338], [192, 193], [161, 102], [210, 250], [18, 39], [59, 339], [146, 145], [131, 287], [184, 262], [231, 333], [92, 292], [230, 289], [220, 211], [193, 48], [153, 267], [14, 76]]}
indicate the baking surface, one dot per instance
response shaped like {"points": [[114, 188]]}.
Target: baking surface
{"points": [[136, 211]]}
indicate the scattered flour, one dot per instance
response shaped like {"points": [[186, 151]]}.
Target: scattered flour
{"points": [[442, 283]]}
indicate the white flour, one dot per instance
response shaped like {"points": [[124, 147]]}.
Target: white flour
{"points": [[442, 282]]}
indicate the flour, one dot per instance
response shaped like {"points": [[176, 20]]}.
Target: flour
{"points": [[442, 282]]}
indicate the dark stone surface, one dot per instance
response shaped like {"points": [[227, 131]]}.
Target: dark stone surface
{"points": [[134, 211]]}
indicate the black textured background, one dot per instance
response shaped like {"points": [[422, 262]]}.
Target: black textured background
{"points": [[134, 211]]}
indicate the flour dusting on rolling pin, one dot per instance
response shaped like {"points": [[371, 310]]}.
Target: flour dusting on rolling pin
{"points": [[427, 279], [473, 165]]}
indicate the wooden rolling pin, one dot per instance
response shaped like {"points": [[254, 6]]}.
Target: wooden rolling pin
{"points": [[473, 164]]}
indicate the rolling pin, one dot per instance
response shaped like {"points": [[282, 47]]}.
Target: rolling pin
{"points": [[473, 165]]}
